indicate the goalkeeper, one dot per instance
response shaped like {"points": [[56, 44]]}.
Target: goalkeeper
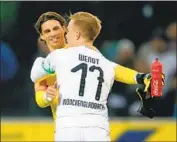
{"points": [[51, 27]]}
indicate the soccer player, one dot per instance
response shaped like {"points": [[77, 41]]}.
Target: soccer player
{"points": [[85, 78], [51, 27]]}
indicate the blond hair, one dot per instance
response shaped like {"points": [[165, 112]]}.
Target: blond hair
{"points": [[89, 24]]}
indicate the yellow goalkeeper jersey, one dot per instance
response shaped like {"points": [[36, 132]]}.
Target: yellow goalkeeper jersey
{"points": [[39, 92]]}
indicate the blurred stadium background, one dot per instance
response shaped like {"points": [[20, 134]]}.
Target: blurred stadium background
{"points": [[133, 34]]}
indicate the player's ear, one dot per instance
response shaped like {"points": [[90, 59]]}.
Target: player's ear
{"points": [[78, 35], [42, 37], [64, 28]]}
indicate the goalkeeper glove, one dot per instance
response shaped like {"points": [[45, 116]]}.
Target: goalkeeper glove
{"points": [[147, 102], [145, 79]]}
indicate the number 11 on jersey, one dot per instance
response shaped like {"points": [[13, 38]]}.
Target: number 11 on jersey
{"points": [[84, 68]]}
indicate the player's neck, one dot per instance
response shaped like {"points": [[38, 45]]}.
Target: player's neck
{"points": [[54, 48], [88, 44]]}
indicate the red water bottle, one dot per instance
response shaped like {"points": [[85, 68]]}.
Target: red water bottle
{"points": [[156, 82]]}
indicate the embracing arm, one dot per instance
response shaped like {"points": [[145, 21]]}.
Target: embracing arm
{"points": [[37, 71], [125, 75], [42, 67], [40, 90], [42, 76]]}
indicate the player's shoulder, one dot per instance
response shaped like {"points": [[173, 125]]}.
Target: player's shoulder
{"points": [[101, 56], [59, 51], [108, 62], [56, 54]]}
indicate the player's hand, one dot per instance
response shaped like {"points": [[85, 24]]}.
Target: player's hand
{"points": [[40, 86], [147, 103], [146, 80], [51, 92]]}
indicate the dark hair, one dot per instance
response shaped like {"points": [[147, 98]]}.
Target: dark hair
{"points": [[49, 16]]}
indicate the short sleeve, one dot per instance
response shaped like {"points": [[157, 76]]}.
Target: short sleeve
{"points": [[53, 59], [114, 65], [49, 63]]}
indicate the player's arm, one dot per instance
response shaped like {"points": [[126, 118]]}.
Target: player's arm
{"points": [[40, 72], [125, 75], [37, 71], [46, 87], [130, 76], [46, 66], [42, 67], [40, 91], [37, 74]]}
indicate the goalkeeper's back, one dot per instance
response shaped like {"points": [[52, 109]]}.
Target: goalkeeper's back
{"points": [[85, 78]]}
